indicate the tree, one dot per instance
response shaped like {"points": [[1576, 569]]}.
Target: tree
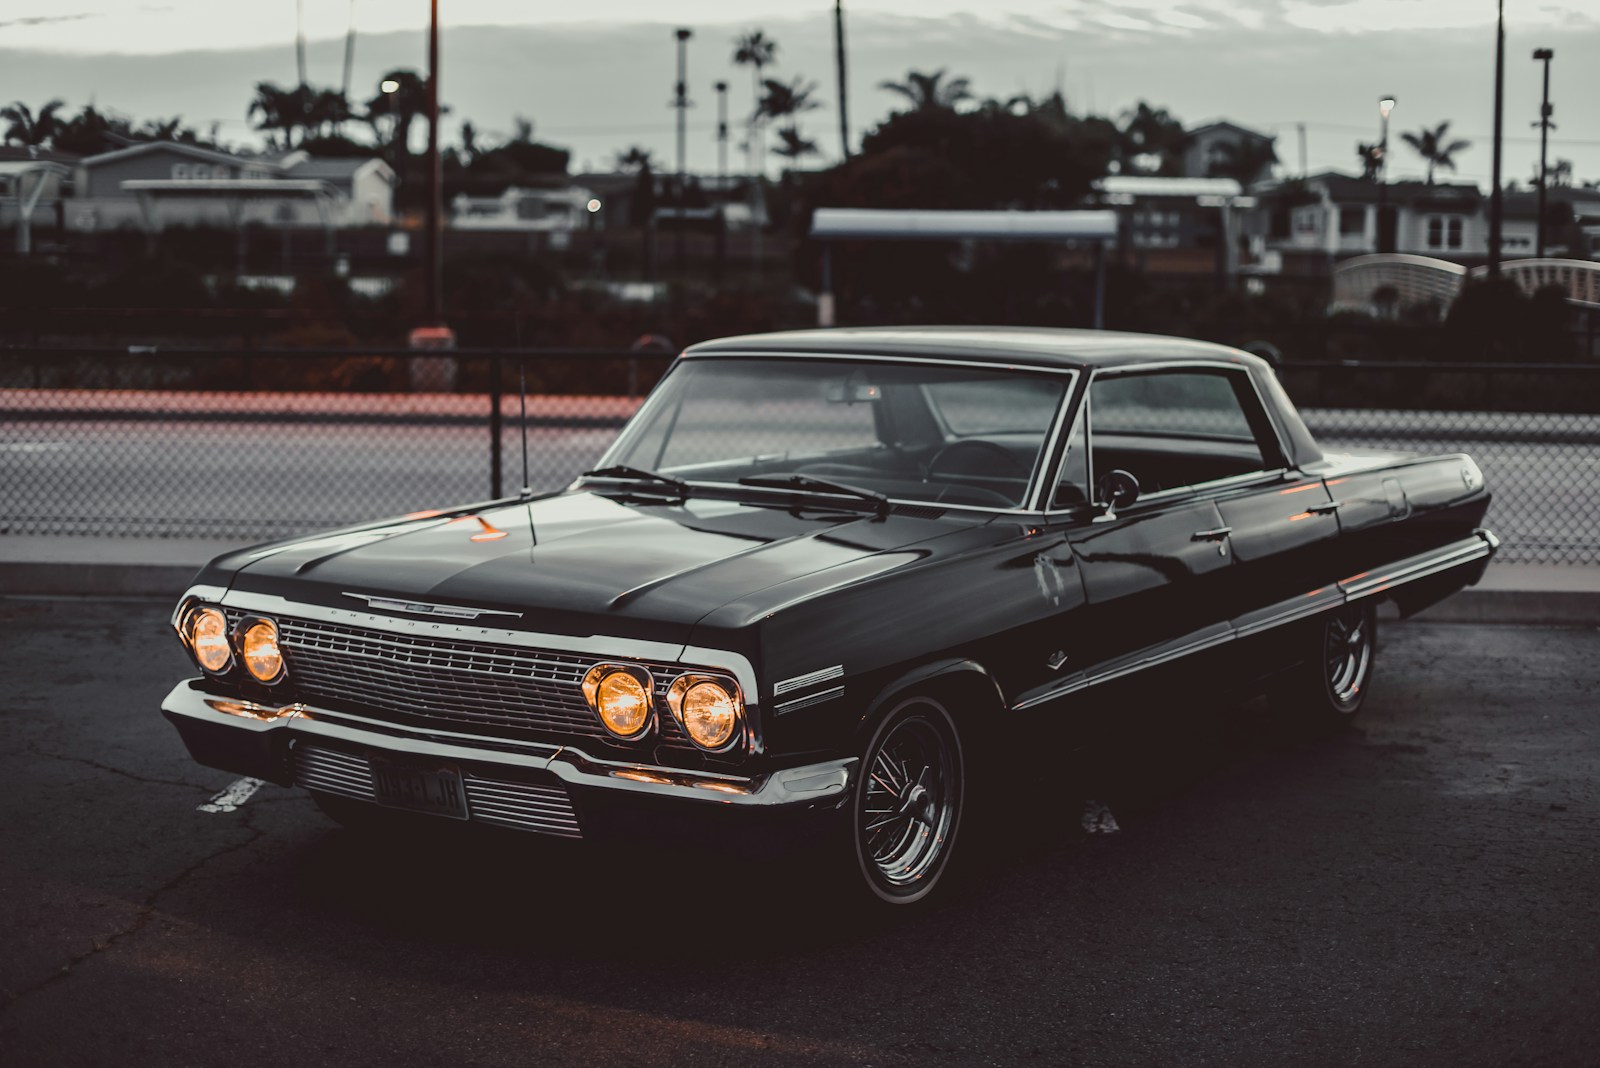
{"points": [[1432, 146], [1371, 157], [282, 112], [90, 132], [930, 92], [635, 159], [792, 145], [785, 100], [30, 129], [757, 51], [398, 110], [1153, 141]]}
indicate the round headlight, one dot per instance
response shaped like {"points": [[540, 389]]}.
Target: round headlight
{"points": [[262, 658], [208, 640], [620, 698], [708, 710]]}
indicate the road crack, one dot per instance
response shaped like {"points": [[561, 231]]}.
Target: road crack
{"points": [[142, 917], [146, 779]]}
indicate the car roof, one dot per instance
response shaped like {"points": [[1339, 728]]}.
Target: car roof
{"points": [[1039, 346]]}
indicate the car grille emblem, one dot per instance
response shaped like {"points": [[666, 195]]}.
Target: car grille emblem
{"points": [[427, 608]]}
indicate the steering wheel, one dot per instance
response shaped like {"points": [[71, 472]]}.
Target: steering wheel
{"points": [[975, 447]]}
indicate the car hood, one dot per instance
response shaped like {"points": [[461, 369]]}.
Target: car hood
{"points": [[584, 563]]}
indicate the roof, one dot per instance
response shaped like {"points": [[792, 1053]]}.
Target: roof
{"points": [[947, 225], [1033, 346], [207, 154], [1230, 127], [333, 168], [1348, 189], [28, 153], [1141, 185], [271, 187]]}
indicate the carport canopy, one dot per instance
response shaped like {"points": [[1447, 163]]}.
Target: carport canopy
{"points": [[1097, 228]]}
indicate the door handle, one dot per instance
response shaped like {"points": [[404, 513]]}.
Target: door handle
{"points": [[1325, 509], [1211, 535]]}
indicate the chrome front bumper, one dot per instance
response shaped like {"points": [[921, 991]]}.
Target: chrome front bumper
{"points": [[257, 740]]}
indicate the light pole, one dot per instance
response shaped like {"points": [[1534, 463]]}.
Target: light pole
{"points": [[1385, 224], [1545, 126], [681, 103], [1499, 100]]}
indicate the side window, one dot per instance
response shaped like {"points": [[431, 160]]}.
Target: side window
{"points": [[1171, 429]]}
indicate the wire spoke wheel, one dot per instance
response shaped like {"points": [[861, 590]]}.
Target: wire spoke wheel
{"points": [[1347, 653], [908, 806]]}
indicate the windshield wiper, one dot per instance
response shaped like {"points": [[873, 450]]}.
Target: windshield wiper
{"points": [[639, 474], [810, 484]]}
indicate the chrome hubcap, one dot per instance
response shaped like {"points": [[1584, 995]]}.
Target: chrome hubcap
{"points": [[909, 802], [1348, 651]]}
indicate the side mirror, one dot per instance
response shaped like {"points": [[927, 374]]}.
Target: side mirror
{"points": [[1114, 491]]}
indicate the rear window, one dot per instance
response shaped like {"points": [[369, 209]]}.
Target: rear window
{"points": [[1171, 404]]}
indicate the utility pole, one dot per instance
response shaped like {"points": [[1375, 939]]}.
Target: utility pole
{"points": [[349, 52], [1300, 126], [1499, 102], [434, 244], [681, 102], [838, 59], [722, 177], [1545, 126], [300, 39]]}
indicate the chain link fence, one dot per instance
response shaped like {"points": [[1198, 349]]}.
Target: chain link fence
{"points": [[256, 445]]}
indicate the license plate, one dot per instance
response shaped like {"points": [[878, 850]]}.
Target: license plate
{"points": [[435, 790]]}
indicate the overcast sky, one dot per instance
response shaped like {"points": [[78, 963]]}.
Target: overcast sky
{"points": [[596, 75]]}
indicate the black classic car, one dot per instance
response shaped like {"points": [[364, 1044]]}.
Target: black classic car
{"points": [[821, 580]]}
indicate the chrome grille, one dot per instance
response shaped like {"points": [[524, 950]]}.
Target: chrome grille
{"points": [[332, 771], [526, 806], [458, 681]]}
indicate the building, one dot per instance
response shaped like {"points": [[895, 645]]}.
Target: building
{"points": [[1313, 221], [34, 185], [1214, 148], [156, 184], [1178, 225]]}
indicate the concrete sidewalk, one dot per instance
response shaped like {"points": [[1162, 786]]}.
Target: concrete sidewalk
{"points": [[37, 565]]}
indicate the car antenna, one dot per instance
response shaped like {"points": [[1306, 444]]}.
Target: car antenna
{"points": [[522, 397]]}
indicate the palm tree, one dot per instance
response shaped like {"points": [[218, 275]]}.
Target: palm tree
{"points": [[329, 109], [635, 159], [926, 93], [400, 108], [792, 144], [283, 111], [757, 51], [30, 129], [1431, 146], [782, 100]]}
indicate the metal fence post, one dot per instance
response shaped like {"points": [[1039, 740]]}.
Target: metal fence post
{"points": [[495, 478]]}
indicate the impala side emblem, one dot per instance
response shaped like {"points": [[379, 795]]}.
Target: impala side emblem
{"points": [[427, 608]]}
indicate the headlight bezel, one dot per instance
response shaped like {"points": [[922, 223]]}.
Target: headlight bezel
{"points": [[679, 691], [241, 637], [189, 634], [596, 677]]}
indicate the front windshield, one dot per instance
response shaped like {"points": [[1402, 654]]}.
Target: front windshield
{"points": [[928, 433]]}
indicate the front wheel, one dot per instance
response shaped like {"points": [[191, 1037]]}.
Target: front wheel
{"points": [[908, 801]]}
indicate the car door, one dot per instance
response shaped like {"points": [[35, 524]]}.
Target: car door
{"points": [[1152, 570]]}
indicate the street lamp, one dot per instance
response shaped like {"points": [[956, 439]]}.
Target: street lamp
{"points": [[722, 177], [1385, 224], [1544, 55]]}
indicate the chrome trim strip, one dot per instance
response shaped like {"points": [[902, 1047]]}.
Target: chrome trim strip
{"points": [[1017, 365], [820, 697], [427, 608], [826, 674], [1482, 544], [1416, 567], [808, 784]]}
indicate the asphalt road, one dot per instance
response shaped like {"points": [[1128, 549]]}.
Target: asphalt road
{"points": [[256, 479], [1420, 890]]}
